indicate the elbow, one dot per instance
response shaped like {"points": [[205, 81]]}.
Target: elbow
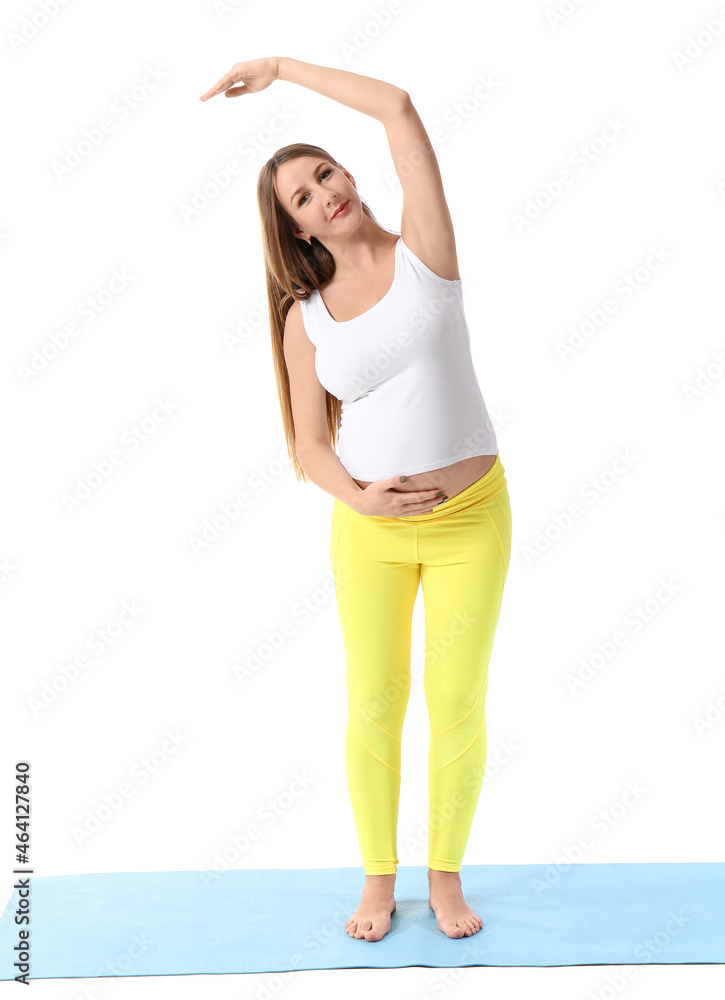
{"points": [[304, 450], [402, 99], [398, 103]]}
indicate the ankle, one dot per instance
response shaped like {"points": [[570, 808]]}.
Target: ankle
{"points": [[376, 880], [438, 876]]}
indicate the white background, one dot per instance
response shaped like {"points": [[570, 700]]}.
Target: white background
{"points": [[190, 327]]}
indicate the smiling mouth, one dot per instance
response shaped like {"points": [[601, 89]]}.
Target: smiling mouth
{"points": [[340, 209]]}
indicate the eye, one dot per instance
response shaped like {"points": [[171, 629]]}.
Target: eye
{"points": [[327, 170]]}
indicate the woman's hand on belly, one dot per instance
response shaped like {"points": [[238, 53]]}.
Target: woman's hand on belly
{"points": [[385, 498]]}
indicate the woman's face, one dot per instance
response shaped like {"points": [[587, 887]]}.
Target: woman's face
{"points": [[310, 190]]}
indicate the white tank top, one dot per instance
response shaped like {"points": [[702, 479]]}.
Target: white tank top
{"points": [[404, 374]]}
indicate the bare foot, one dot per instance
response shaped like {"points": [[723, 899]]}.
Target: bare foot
{"points": [[371, 920], [453, 914]]}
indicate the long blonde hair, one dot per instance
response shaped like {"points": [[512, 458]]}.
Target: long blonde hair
{"points": [[294, 269]]}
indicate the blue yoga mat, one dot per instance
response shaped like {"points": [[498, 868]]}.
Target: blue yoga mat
{"points": [[282, 920]]}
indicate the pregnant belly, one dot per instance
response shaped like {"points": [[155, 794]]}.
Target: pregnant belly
{"points": [[451, 479]]}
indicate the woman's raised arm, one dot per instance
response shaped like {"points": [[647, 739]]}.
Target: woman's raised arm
{"points": [[426, 224]]}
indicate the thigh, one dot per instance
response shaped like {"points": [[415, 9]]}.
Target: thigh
{"points": [[464, 564], [376, 583]]}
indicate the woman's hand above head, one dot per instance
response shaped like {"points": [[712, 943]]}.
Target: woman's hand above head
{"points": [[382, 499], [255, 75]]}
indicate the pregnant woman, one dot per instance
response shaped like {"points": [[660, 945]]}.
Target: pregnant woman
{"points": [[372, 358]]}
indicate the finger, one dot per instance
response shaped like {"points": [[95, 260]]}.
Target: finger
{"points": [[236, 91], [223, 84], [415, 505]]}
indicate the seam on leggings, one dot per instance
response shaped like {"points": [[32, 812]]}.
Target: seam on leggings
{"points": [[473, 705], [377, 756], [362, 709], [503, 556], [473, 740], [506, 520], [337, 543]]}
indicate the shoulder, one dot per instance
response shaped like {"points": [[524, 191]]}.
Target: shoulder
{"points": [[295, 335], [294, 320]]}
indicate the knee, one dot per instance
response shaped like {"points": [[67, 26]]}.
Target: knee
{"points": [[381, 702], [451, 710]]}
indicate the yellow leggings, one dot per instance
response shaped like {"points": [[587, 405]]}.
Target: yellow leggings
{"points": [[460, 554]]}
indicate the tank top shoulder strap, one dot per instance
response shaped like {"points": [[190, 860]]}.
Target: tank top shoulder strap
{"points": [[423, 268]]}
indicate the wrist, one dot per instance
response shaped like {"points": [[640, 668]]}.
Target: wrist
{"points": [[353, 499], [280, 62]]}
